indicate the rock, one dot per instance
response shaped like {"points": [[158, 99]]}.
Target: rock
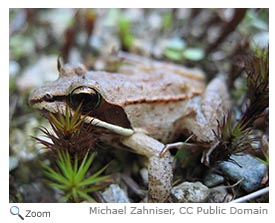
{"points": [[22, 146], [38, 192], [261, 39], [14, 68], [144, 175], [190, 192], [155, 21], [58, 20], [114, 194], [212, 179], [251, 171], [219, 195], [13, 163], [45, 69]]}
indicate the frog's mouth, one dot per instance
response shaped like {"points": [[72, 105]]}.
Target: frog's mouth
{"points": [[94, 109], [46, 109]]}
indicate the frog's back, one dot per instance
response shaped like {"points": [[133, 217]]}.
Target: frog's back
{"points": [[153, 94], [139, 79]]}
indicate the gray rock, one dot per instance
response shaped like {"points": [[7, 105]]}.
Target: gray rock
{"points": [[114, 194], [212, 179], [38, 192], [190, 192], [14, 68], [144, 175], [42, 71], [251, 171], [13, 163], [219, 195]]}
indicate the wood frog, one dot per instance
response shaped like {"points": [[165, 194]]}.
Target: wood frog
{"points": [[142, 106]]}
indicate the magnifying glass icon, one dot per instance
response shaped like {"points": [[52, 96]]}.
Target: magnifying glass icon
{"points": [[15, 211]]}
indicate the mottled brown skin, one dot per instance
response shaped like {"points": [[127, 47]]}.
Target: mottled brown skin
{"points": [[151, 103]]}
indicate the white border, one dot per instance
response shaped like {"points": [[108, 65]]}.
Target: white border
{"points": [[140, 4], [79, 211]]}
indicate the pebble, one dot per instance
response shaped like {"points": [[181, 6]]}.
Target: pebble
{"points": [[114, 194], [212, 179], [190, 192], [261, 39], [251, 171], [44, 70], [219, 195], [13, 163], [144, 175], [14, 68], [38, 192]]}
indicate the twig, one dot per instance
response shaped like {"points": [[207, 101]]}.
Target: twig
{"points": [[227, 29], [251, 196]]}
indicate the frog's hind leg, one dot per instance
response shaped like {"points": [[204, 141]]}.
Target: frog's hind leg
{"points": [[215, 101], [206, 110], [203, 112]]}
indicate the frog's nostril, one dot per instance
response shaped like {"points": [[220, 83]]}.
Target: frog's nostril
{"points": [[48, 97]]}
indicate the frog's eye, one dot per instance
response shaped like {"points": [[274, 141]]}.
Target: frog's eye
{"points": [[88, 97]]}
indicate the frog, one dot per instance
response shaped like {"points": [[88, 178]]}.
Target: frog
{"points": [[144, 105]]}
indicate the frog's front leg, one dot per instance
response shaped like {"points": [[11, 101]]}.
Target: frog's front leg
{"points": [[160, 168]]}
